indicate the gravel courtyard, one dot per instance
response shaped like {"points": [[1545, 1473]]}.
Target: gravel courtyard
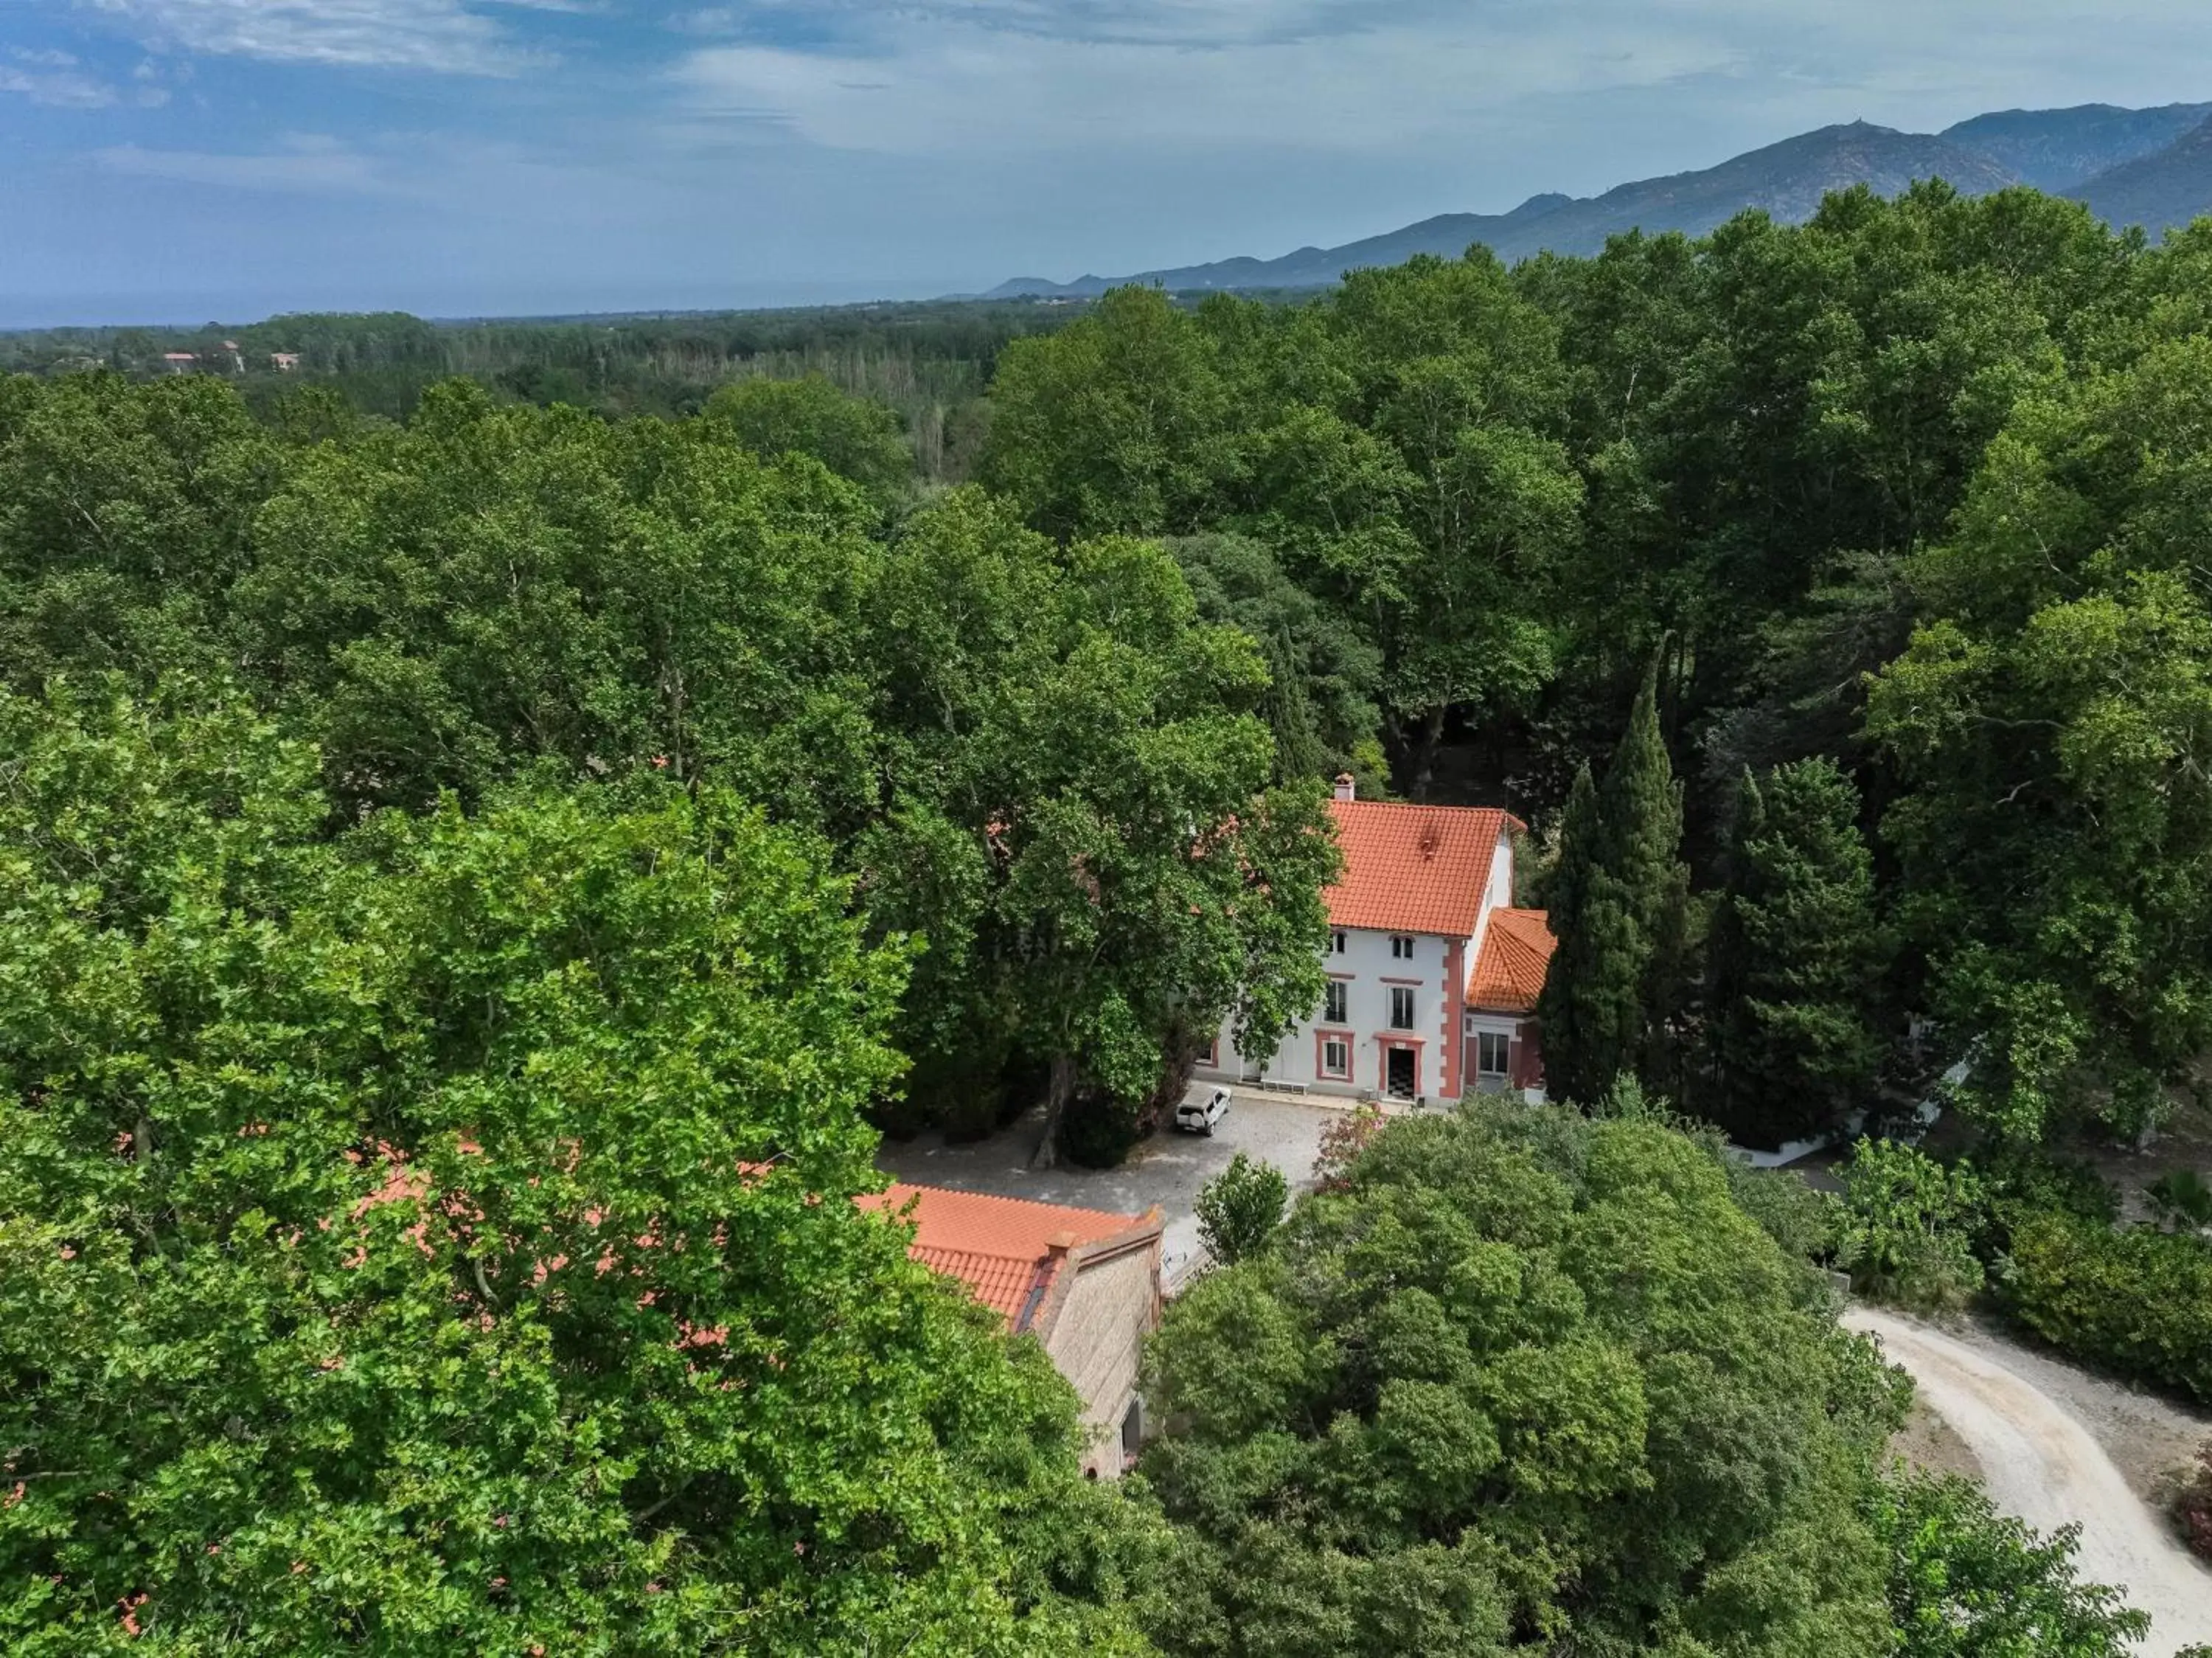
{"points": [[1167, 1169]]}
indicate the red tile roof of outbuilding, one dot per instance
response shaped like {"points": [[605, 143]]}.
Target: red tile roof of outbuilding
{"points": [[1509, 973], [1414, 869], [1002, 1248]]}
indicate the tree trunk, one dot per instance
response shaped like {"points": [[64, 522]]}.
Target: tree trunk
{"points": [[1424, 756], [1057, 1093]]}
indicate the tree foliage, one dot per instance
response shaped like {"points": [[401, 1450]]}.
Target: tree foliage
{"points": [[1619, 897], [854, 438], [2135, 1300], [1526, 1378], [1041, 761], [1796, 960], [1590, 1003], [1910, 1223], [2052, 716], [1966, 1581], [1240, 1208], [440, 1237]]}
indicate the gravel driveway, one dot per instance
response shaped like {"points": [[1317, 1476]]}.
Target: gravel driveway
{"points": [[2039, 1462], [1167, 1169]]}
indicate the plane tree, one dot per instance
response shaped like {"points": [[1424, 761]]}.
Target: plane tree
{"points": [[440, 1239]]}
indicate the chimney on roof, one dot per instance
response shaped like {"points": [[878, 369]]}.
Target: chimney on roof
{"points": [[1347, 788]]}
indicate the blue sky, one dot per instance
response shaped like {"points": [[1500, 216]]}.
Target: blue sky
{"points": [[197, 160]]}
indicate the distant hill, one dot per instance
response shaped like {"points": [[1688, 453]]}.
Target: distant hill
{"points": [[2121, 152], [2057, 149], [2160, 191], [1448, 234]]}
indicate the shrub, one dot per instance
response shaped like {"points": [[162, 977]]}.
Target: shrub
{"points": [[1100, 1129], [2020, 1178], [2138, 1301], [1341, 1142], [1908, 1226], [1240, 1208], [1810, 1224]]}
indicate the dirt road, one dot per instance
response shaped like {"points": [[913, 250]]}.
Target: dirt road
{"points": [[2041, 1463]]}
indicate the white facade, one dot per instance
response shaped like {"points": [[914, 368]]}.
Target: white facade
{"points": [[1404, 1031]]}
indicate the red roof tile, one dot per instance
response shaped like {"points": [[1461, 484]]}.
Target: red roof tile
{"points": [[1414, 869], [1001, 1283], [1000, 1247], [1509, 973]]}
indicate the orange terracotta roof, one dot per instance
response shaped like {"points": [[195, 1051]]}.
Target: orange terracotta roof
{"points": [[1509, 973], [1001, 1283], [1414, 869], [1000, 1247]]}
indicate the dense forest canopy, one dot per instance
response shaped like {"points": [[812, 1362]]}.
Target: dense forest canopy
{"points": [[930, 362], [485, 835], [1906, 490]]}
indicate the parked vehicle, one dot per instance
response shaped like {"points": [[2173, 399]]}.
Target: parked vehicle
{"points": [[1198, 1116]]}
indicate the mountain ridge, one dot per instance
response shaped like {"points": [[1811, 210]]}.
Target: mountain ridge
{"points": [[2149, 159], [2165, 188]]}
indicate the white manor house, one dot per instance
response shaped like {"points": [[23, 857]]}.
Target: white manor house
{"points": [[1433, 975]]}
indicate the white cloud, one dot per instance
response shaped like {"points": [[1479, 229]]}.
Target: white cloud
{"points": [[938, 86], [57, 88], [442, 35], [309, 163], [1376, 77]]}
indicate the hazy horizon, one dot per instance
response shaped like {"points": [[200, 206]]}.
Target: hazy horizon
{"points": [[183, 161]]}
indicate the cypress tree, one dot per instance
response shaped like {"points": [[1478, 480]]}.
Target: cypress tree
{"points": [[1590, 1009], [1618, 901], [1641, 804], [1797, 959], [1726, 957]]}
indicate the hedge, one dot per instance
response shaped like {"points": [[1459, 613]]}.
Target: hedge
{"points": [[2138, 1301]]}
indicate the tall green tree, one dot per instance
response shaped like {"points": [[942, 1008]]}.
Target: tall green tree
{"points": [[1397, 441], [439, 1240], [1589, 1011], [1459, 382], [1083, 823], [2052, 721], [126, 512], [1323, 673], [1619, 900], [1121, 422], [1795, 963], [441, 605], [855, 437], [1640, 802]]}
